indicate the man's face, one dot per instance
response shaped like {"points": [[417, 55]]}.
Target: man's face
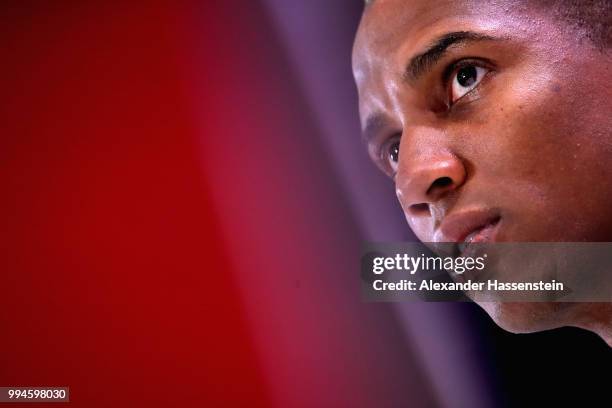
{"points": [[493, 119]]}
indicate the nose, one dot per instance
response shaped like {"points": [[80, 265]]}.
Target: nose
{"points": [[423, 180]]}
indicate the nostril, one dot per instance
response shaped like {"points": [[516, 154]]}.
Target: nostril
{"points": [[441, 183], [419, 209]]}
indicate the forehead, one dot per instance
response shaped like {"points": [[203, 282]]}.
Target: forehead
{"points": [[395, 27]]}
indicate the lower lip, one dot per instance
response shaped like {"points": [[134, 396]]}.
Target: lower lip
{"points": [[483, 235]]}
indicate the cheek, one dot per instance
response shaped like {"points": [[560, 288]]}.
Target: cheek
{"points": [[548, 157]]}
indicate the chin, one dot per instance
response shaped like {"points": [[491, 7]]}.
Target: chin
{"points": [[524, 317]]}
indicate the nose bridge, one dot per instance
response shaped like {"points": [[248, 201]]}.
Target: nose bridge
{"points": [[428, 169]]}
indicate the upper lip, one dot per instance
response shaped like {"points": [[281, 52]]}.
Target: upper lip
{"points": [[456, 227]]}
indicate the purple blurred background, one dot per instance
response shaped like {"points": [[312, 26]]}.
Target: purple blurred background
{"points": [[317, 37]]}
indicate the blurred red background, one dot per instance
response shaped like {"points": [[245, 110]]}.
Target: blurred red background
{"points": [[115, 277]]}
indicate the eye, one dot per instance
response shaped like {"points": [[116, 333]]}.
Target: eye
{"points": [[391, 151], [465, 79]]}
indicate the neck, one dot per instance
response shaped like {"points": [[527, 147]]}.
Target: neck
{"points": [[596, 317]]}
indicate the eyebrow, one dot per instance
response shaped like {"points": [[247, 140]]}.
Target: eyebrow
{"points": [[373, 126], [421, 63]]}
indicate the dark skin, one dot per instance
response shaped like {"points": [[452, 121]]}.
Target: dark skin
{"points": [[491, 111]]}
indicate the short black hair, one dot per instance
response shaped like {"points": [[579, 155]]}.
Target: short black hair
{"points": [[591, 19]]}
